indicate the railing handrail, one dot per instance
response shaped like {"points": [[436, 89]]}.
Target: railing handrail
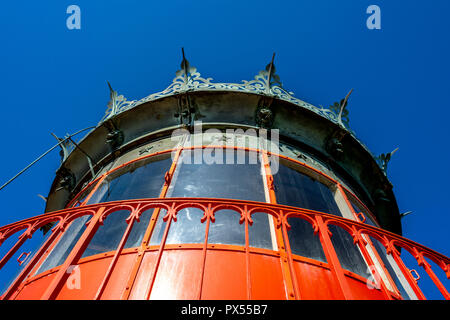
{"points": [[329, 217], [281, 213]]}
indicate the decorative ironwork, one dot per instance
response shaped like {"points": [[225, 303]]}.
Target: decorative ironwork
{"points": [[117, 103], [383, 160], [67, 179], [319, 221], [66, 146], [341, 111], [266, 82]]}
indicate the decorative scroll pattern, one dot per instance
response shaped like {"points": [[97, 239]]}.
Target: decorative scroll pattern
{"points": [[188, 79], [193, 81], [117, 104]]}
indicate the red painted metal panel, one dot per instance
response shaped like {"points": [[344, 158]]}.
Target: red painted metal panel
{"points": [[119, 277], [316, 283], [178, 275], [361, 291], [34, 289], [266, 277], [91, 273], [230, 272], [143, 276], [225, 276]]}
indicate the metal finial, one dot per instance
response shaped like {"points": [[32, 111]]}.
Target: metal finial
{"points": [[185, 67], [112, 101], [270, 68], [343, 105], [116, 103], [110, 88], [385, 158], [64, 144], [184, 64], [339, 109]]}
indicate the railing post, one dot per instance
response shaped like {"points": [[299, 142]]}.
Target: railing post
{"points": [[366, 240], [247, 256], [424, 264], [148, 233], [357, 238], [208, 214], [131, 219], [171, 216], [61, 276], [332, 258], [13, 289], [22, 238], [412, 282], [286, 257], [287, 266]]}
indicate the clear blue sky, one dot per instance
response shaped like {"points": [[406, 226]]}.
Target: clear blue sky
{"points": [[54, 79]]}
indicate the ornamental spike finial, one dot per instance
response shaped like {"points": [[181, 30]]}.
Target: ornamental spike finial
{"points": [[116, 103], [65, 145], [112, 101], [111, 90], [383, 159], [344, 105], [270, 69], [186, 70], [184, 65], [272, 77], [340, 110]]}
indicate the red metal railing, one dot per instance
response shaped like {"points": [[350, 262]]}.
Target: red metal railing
{"points": [[319, 221]]}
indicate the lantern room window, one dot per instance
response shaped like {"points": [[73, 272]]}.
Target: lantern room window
{"points": [[219, 173], [139, 180], [234, 175], [297, 189]]}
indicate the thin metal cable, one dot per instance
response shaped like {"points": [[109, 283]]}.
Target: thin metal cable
{"points": [[43, 155]]}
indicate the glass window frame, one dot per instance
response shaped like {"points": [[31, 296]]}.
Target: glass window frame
{"points": [[292, 163]]}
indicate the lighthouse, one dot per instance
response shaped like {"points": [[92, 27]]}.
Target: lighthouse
{"points": [[210, 190]]}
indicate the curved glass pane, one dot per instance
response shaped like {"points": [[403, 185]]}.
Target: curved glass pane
{"points": [[294, 188], [139, 180], [259, 235], [235, 176], [369, 220], [227, 229], [138, 231], [188, 228], [109, 234], [384, 257], [303, 241], [65, 245], [348, 253], [84, 195], [158, 229]]}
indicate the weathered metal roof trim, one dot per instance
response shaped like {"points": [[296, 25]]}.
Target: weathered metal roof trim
{"points": [[266, 83]]}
